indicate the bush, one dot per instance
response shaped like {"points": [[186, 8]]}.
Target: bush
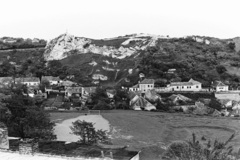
{"points": [[184, 150], [102, 106]]}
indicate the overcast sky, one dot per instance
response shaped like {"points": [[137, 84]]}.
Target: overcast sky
{"points": [[99, 19]]}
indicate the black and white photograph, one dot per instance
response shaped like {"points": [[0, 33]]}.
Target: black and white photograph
{"points": [[119, 80]]}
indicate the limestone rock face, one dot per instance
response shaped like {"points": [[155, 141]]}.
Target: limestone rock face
{"points": [[119, 47]]}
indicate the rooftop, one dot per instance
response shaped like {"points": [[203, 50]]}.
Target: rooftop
{"points": [[28, 79], [136, 86], [189, 83], [51, 78], [147, 81], [220, 84]]}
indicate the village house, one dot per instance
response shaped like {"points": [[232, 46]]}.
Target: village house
{"points": [[146, 84], [176, 98], [52, 80], [87, 91], [29, 81], [226, 103], [67, 83], [4, 81], [220, 86], [70, 91], [191, 85], [134, 88], [111, 93]]}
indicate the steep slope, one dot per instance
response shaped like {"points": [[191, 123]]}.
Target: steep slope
{"points": [[120, 47], [119, 60]]}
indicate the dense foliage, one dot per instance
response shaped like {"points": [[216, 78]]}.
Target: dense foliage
{"points": [[23, 117], [193, 149], [88, 134]]}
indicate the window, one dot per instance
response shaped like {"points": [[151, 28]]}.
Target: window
{"points": [[148, 85], [182, 86], [177, 87], [196, 86]]}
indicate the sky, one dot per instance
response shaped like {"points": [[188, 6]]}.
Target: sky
{"points": [[98, 19]]}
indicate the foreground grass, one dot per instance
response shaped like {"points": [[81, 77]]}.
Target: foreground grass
{"points": [[143, 130]]}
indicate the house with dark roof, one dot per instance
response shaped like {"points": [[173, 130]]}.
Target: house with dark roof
{"points": [[111, 93], [220, 86], [146, 84], [191, 85]]}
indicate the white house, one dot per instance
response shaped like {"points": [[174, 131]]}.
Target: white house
{"points": [[134, 88], [191, 85], [220, 87], [146, 84], [29, 81], [52, 80]]}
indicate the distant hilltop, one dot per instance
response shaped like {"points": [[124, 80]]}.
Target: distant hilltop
{"points": [[20, 43]]}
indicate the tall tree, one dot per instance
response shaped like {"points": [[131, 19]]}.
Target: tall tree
{"points": [[26, 120]]}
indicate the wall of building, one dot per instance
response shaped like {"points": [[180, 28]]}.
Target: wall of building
{"points": [[186, 88], [134, 89], [222, 89], [145, 87], [230, 96]]}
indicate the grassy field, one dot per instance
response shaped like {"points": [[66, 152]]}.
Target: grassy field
{"points": [[140, 129]]}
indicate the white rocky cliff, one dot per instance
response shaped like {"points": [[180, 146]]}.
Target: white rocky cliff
{"points": [[128, 45]]}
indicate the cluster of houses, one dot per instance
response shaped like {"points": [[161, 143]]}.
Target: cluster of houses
{"points": [[56, 85], [190, 86], [139, 95], [143, 91]]}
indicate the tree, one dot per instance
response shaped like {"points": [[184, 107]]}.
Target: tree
{"points": [[87, 132], [7, 69], [100, 97], [215, 104], [102, 106], [231, 45], [26, 120], [44, 84], [221, 69]]}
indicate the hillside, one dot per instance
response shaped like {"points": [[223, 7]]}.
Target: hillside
{"points": [[119, 60], [120, 47]]}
